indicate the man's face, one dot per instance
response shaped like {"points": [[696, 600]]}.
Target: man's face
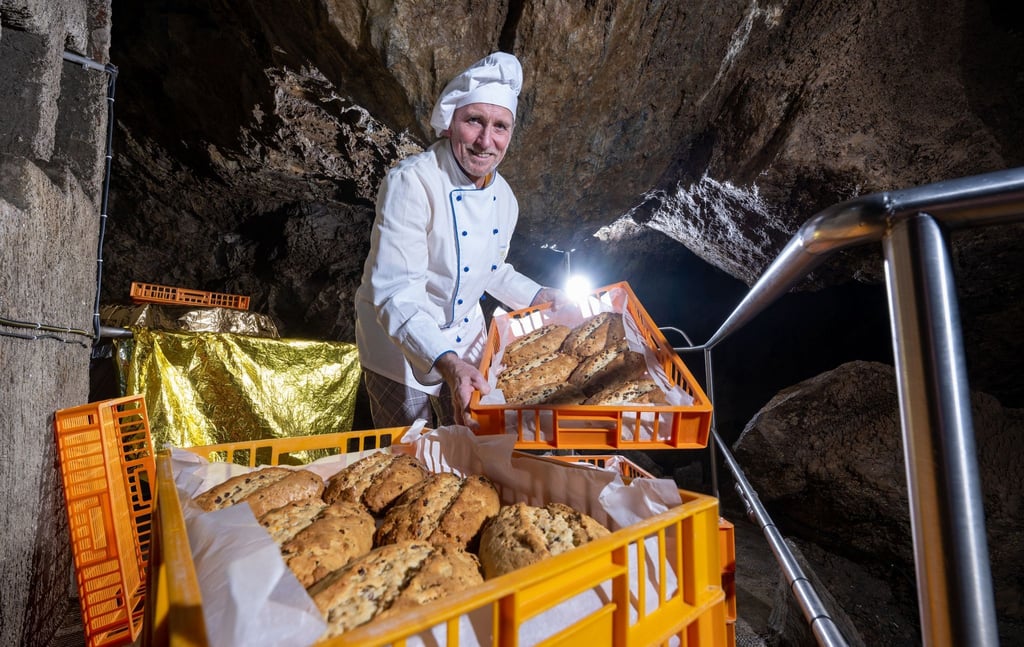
{"points": [[480, 133]]}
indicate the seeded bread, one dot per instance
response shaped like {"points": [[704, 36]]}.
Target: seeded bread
{"points": [[614, 364], [542, 341], [521, 535], [375, 481], [595, 333], [443, 508], [237, 488], [263, 490], [390, 579], [546, 369], [551, 394], [643, 391], [342, 532], [287, 521]]}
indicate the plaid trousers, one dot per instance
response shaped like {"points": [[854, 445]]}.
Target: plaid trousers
{"points": [[393, 404]]}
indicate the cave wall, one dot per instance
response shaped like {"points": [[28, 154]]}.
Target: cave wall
{"points": [[52, 145]]}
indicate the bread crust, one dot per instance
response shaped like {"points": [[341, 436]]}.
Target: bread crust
{"points": [[299, 485], [238, 487], [594, 334], [376, 480], [644, 391], [521, 535], [342, 532], [546, 369], [556, 393], [541, 341], [287, 521], [615, 363], [443, 508], [389, 579], [263, 489]]}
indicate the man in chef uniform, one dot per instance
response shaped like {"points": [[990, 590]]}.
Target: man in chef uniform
{"points": [[444, 222]]}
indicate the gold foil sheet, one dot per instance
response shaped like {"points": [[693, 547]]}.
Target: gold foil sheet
{"points": [[188, 318], [209, 388]]}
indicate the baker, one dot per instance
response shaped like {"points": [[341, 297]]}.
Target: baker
{"points": [[443, 226]]}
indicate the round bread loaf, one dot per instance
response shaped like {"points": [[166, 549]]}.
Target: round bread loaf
{"points": [[342, 532], [391, 579], [376, 480], [521, 535], [443, 508], [263, 489]]}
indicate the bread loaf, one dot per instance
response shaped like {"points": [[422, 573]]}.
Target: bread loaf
{"points": [[299, 485], [547, 369], [615, 363], [595, 333], [542, 341], [287, 521], [263, 490], [443, 508], [238, 487], [556, 393], [391, 579], [375, 481], [644, 391], [521, 535], [342, 532]]}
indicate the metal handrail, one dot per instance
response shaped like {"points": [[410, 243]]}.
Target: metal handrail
{"points": [[955, 596]]}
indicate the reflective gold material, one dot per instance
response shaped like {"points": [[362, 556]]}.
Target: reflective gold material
{"points": [[188, 318], [207, 388]]}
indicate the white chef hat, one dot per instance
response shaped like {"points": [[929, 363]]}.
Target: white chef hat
{"points": [[495, 79]]}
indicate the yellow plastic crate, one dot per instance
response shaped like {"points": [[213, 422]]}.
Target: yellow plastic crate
{"points": [[106, 464], [687, 539], [600, 427]]}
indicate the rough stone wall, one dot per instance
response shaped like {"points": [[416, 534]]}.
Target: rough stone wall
{"points": [[827, 459], [53, 117]]}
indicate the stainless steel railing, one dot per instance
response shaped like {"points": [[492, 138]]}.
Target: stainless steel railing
{"points": [[956, 605]]}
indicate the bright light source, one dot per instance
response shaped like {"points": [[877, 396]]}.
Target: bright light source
{"points": [[578, 288]]}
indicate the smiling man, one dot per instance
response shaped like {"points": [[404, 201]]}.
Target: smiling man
{"points": [[444, 222]]}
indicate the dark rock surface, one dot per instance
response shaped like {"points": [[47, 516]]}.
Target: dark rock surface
{"points": [[826, 457]]}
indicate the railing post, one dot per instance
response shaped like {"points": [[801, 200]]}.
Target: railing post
{"points": [[954, 584]]}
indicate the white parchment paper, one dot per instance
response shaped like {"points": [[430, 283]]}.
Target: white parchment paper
{"points": [[251, 598]]}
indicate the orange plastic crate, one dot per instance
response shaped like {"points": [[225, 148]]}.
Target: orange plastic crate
{"points": [[685, 539], [152, 293], [600, 427], [107, 465]]}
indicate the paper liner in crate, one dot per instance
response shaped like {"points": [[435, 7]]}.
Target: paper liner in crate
{"points": [[538, 422], [250, 596]]}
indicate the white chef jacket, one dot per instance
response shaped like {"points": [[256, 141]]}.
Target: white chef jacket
{"points": [[438, 243]]}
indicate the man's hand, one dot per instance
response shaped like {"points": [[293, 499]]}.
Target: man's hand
{"points": [[557, 298], [462, 378]]}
